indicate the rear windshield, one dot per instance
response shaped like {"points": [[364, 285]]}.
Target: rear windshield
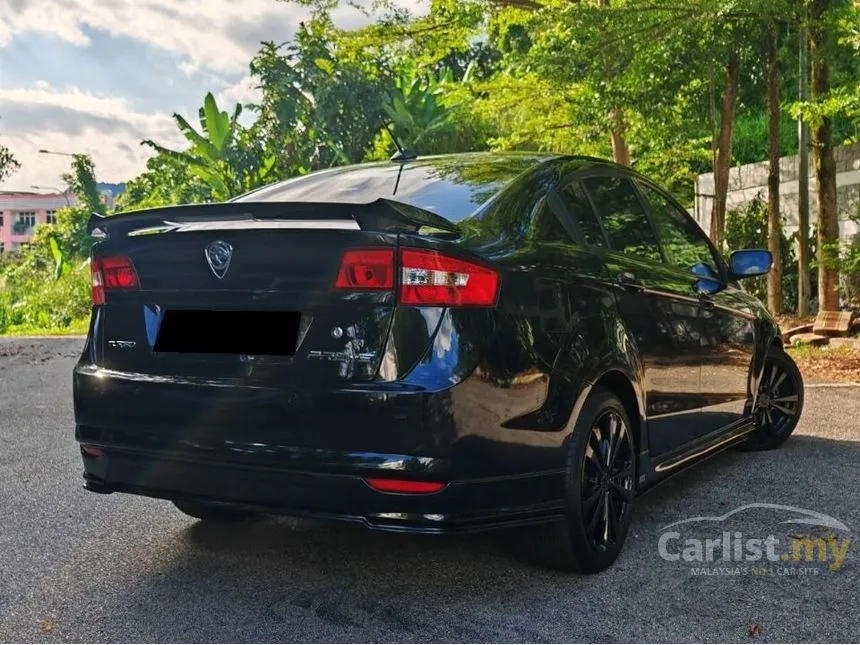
{"points": [[451, 186]]}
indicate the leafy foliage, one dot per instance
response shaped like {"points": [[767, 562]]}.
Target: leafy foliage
{"points": [[47, 285], [746, 228], [223, 155], [8, 163]]}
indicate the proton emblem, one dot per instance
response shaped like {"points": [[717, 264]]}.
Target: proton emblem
{"points": [[218, 255]]}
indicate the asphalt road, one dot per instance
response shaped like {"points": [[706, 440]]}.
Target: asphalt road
{"points": [[75, 566]]}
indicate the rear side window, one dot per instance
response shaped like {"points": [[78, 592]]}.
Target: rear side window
{"points": [[546, 226], [577, 203], [684, 242], [623, 217]]}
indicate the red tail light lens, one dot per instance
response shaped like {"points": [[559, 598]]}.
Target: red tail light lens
{"points": [[112, 272], [432, 278], [404, 486], [366, 269]]}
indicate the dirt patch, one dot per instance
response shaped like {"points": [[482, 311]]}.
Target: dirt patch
{"points": [[827, 364], [17, 351], [790, 321]]}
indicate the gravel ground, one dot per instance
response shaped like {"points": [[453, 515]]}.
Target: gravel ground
{"points": [[77, 566]]}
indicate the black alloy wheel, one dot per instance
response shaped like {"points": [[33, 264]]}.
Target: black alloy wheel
{"points": [[607, 485], [779, 402], [601, 484]]}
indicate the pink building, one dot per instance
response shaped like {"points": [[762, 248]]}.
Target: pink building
{"points": [[21, 211]]}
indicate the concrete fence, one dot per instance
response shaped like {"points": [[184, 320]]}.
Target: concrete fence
{"points": [[745, 182]]}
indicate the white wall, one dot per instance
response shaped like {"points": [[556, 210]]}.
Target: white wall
{"points": [[745, 182]]}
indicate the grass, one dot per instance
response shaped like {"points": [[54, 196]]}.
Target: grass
{"points": [[77, 328]]}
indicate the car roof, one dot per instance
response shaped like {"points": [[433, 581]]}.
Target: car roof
{"points": [[453, 186]]}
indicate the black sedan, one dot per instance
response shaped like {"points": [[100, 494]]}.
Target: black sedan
{"points": [[446, 344]]}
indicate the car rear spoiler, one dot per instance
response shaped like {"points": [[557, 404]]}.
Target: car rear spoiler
{"points": [[383, 215]]}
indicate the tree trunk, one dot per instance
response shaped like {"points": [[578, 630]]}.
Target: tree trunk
{"points": [[620, 150], [774, 225], [803, 284], [724, 149], [824, 163]]}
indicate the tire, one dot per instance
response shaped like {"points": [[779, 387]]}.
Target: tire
{"points": [[779, 403], [577, 543], [212, 512]]}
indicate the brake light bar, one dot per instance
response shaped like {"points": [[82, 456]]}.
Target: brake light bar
{"points": [[427, 278], [404, 486], [112, 272]]}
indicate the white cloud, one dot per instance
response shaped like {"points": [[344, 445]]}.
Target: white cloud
{"points": [[72, 120], [211, 40], [207, 35], [218, 35], [244, 91]]}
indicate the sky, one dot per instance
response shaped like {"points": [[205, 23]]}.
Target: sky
{"points": [[98, 76]]}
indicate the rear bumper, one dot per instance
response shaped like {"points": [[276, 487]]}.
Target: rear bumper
{"points": [[462, 506], [310, 453]]}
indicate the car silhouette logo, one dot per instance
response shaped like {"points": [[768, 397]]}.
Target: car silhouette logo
{"points": [[218, 255]]}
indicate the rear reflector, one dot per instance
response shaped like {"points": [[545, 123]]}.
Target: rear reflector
{"points": [[432, 278], [366, 269], [405, 486], [91, 451], [112, 272]]}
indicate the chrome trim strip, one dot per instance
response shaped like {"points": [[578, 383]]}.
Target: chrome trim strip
{"points": [[241, 225]]}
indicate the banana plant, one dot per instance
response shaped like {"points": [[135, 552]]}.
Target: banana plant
{"points": [[220, 154], [414, 105]]}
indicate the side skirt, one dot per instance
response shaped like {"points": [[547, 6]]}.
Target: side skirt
{"points": [[665, 466]]}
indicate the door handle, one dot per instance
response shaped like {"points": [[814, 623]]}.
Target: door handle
{"points": [[627, 281]]}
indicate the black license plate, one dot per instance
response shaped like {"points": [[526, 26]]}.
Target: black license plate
{"points": [[271, 333]]}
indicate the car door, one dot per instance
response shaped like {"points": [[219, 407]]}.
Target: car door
{"points": [[727, 337], [656, 307]]}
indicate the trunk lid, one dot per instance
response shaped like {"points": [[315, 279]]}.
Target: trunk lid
{"points": [[246, 291]]}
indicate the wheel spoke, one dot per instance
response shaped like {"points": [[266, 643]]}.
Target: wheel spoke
{"points": [[589, 504], [625, 473], [786, 411], [592, 523], [592, 453], [773, 373], [791, 398], [606, 515], [782, 377], [611, 520], [613, 436], [622, 493], [769, 418], [615, 431]]}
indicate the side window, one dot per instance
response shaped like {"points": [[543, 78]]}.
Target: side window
{"points": [[684, 242], [577, 203], [623, 218], [546, 227]]}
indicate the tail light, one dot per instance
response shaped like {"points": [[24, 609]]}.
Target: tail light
{"points": [[427, 278], [366, 269], [432, 278], [112, 272]]}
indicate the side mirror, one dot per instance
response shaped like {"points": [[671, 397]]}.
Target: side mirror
{"points": [[749, 263]]}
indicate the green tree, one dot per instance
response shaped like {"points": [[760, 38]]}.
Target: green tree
{"points": [[321, 107]]}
